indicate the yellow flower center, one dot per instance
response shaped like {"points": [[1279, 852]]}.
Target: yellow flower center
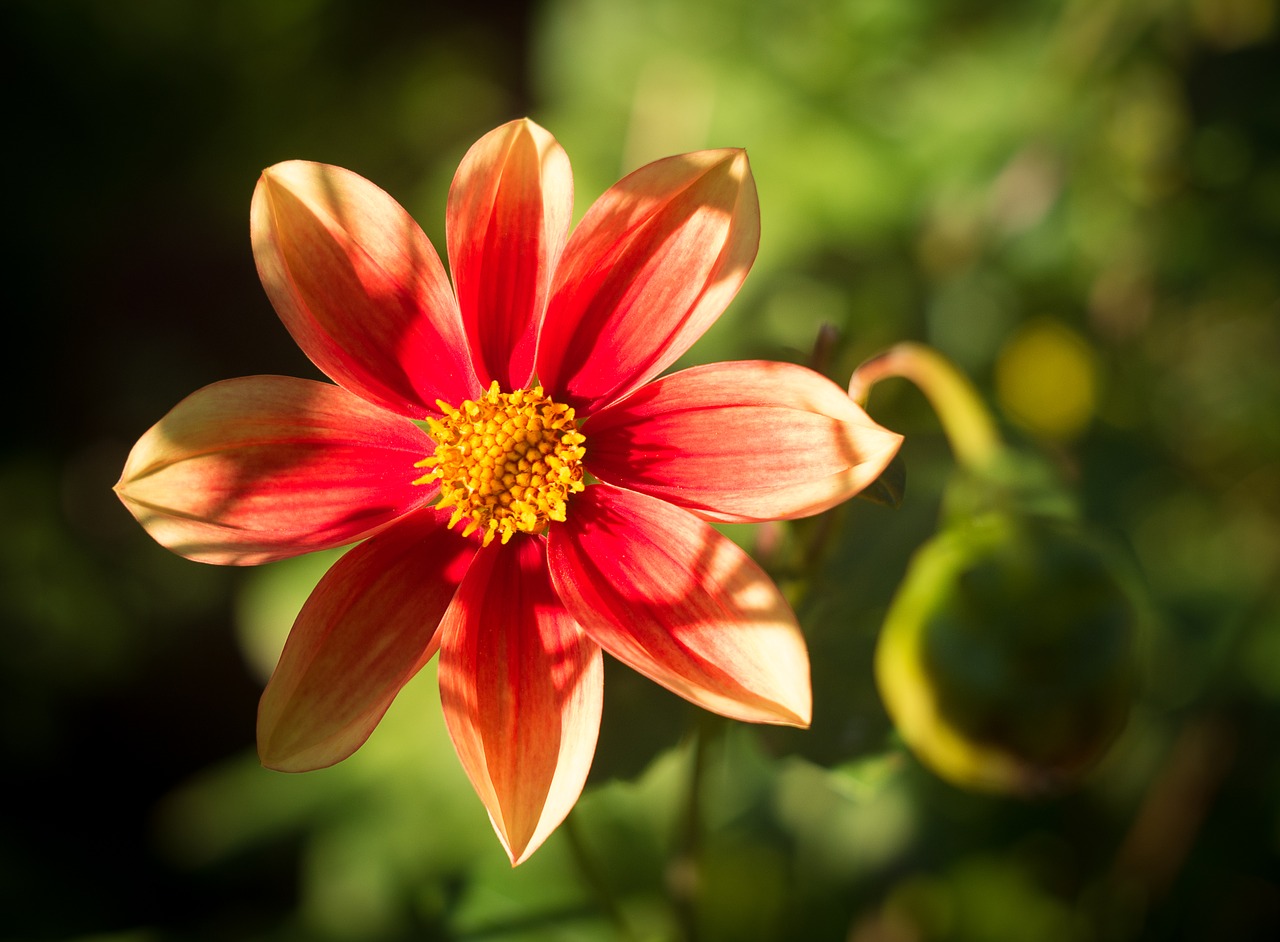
{"points": [[506, 462]]}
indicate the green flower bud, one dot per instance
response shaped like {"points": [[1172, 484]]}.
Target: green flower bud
{"points": [[1006, 660]]}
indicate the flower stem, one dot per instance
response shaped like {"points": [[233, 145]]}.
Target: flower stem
{"points": [[965, 419], [684, 876], [590, 870]]}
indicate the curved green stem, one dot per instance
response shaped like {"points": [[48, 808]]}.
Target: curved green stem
{"points": [[964, 417]]}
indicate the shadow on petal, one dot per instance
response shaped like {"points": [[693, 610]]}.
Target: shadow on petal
{"points": [[366, 630], [360, 287], [665, 593], [521, 685], [255, 469]]}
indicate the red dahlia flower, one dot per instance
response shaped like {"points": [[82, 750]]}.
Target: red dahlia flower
{"points": [[532, 522]]}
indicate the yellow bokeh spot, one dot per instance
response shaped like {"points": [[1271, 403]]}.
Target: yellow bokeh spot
{"points": [[1046, 380], [505, 462]]}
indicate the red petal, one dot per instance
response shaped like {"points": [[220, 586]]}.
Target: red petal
{"points": [[368, 627], [508, 218], [651, 266], [360, 287], [521, 687], [662, 591], [740, 442], [265, 467]]}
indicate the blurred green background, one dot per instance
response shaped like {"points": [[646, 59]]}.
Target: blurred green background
{"points": [[1077, 201]]}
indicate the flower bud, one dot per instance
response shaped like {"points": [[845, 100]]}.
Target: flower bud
{"points": [[1006, 659]]}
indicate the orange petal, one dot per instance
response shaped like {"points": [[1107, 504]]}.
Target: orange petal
{"points": [[521, 687], [368, 627], [360, 287], [740, 442], [508, 218], [261, 468], [651, 266], [662, 591]]}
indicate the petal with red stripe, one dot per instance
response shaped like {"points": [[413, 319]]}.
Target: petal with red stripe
{"points": [[649, 268], [740, 442], [508, 217], [360, 287], [367, 628], [261, 468], [665, 593], [521, 686]]}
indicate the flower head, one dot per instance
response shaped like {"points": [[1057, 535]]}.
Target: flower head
{"points": [[557, 503]]}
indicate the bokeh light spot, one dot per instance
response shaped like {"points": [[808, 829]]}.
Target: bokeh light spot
{"points": [[1046, 380]]}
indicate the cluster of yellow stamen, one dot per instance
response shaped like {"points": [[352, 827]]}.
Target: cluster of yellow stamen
{"points": [[506, 462]]}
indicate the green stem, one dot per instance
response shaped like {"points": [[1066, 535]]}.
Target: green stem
{"points": [[590, 870], [686, 869], [964, 417]]}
